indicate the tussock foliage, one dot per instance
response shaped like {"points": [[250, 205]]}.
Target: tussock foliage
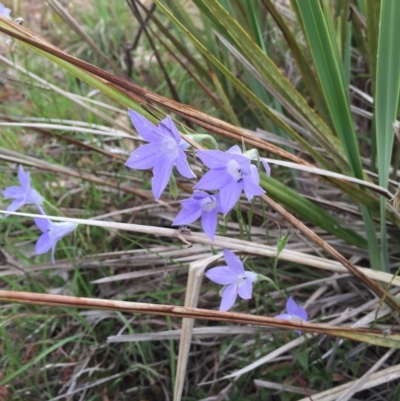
{"points": [[314, 87]]}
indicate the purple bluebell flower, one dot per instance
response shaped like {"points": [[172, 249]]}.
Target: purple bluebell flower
{"points": [[294, 312], [4, 11], [164, 150], [236, 280], [23, 195], [230, 172], [52, 233], [203, 205]]}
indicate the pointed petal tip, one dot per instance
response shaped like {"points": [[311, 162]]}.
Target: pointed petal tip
{"points": [[209, 224], [291, 306], [233, 261], [267, 167]]}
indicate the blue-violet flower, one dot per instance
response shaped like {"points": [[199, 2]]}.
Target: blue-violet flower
{"points": [[236, 280], [23, 195], [4, 11], [230, 172], [200, 204], [164, 150], [294, 312], [52, 233]]}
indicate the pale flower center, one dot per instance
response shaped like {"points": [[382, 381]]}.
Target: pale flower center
{"points": [[59, 230], [296, 318], [170, 148], [234, 170], [208, 204], [241, 278]]}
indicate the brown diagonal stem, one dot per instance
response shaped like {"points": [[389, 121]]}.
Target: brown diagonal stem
{"points": [[364, 335], [376, 288]]}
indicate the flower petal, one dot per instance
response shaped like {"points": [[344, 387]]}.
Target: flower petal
{"points": [[5, 12], [219, 206], [60, 230], [168, 129], [145, 128], [221, 275], [15, 205], [235, 150], [266, 166], [229, 195], [250, 188], [213, 179], [291, 306], [183, 166], [199, 195], [183, 144], [33, 197], [145, 156], [233, 262], [246, 289], [229, 295], [43, 244], [243, 162], [24, 178], [13, 192], [214, 158], [43, 224], [186, 216], [162, 171], [301, 313], [209, 223], [254, 174], [191, 203]]}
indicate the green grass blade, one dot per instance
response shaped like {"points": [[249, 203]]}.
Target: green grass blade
{"points": [[254, 16], [248, 93], [302, 62], [327, 63], [281, 86], [347, 52], [387, 86], [318, 28], [309, 211], [372, 12], [386, 100], [37, 359]]}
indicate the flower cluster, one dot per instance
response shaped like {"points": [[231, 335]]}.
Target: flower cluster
{"points": [[230, 172], [26, 195], [237, 281]]}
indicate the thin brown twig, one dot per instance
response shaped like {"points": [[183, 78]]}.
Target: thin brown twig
{"points": [[376, 288], [143, 24], [364, 335], [133, 45]]}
